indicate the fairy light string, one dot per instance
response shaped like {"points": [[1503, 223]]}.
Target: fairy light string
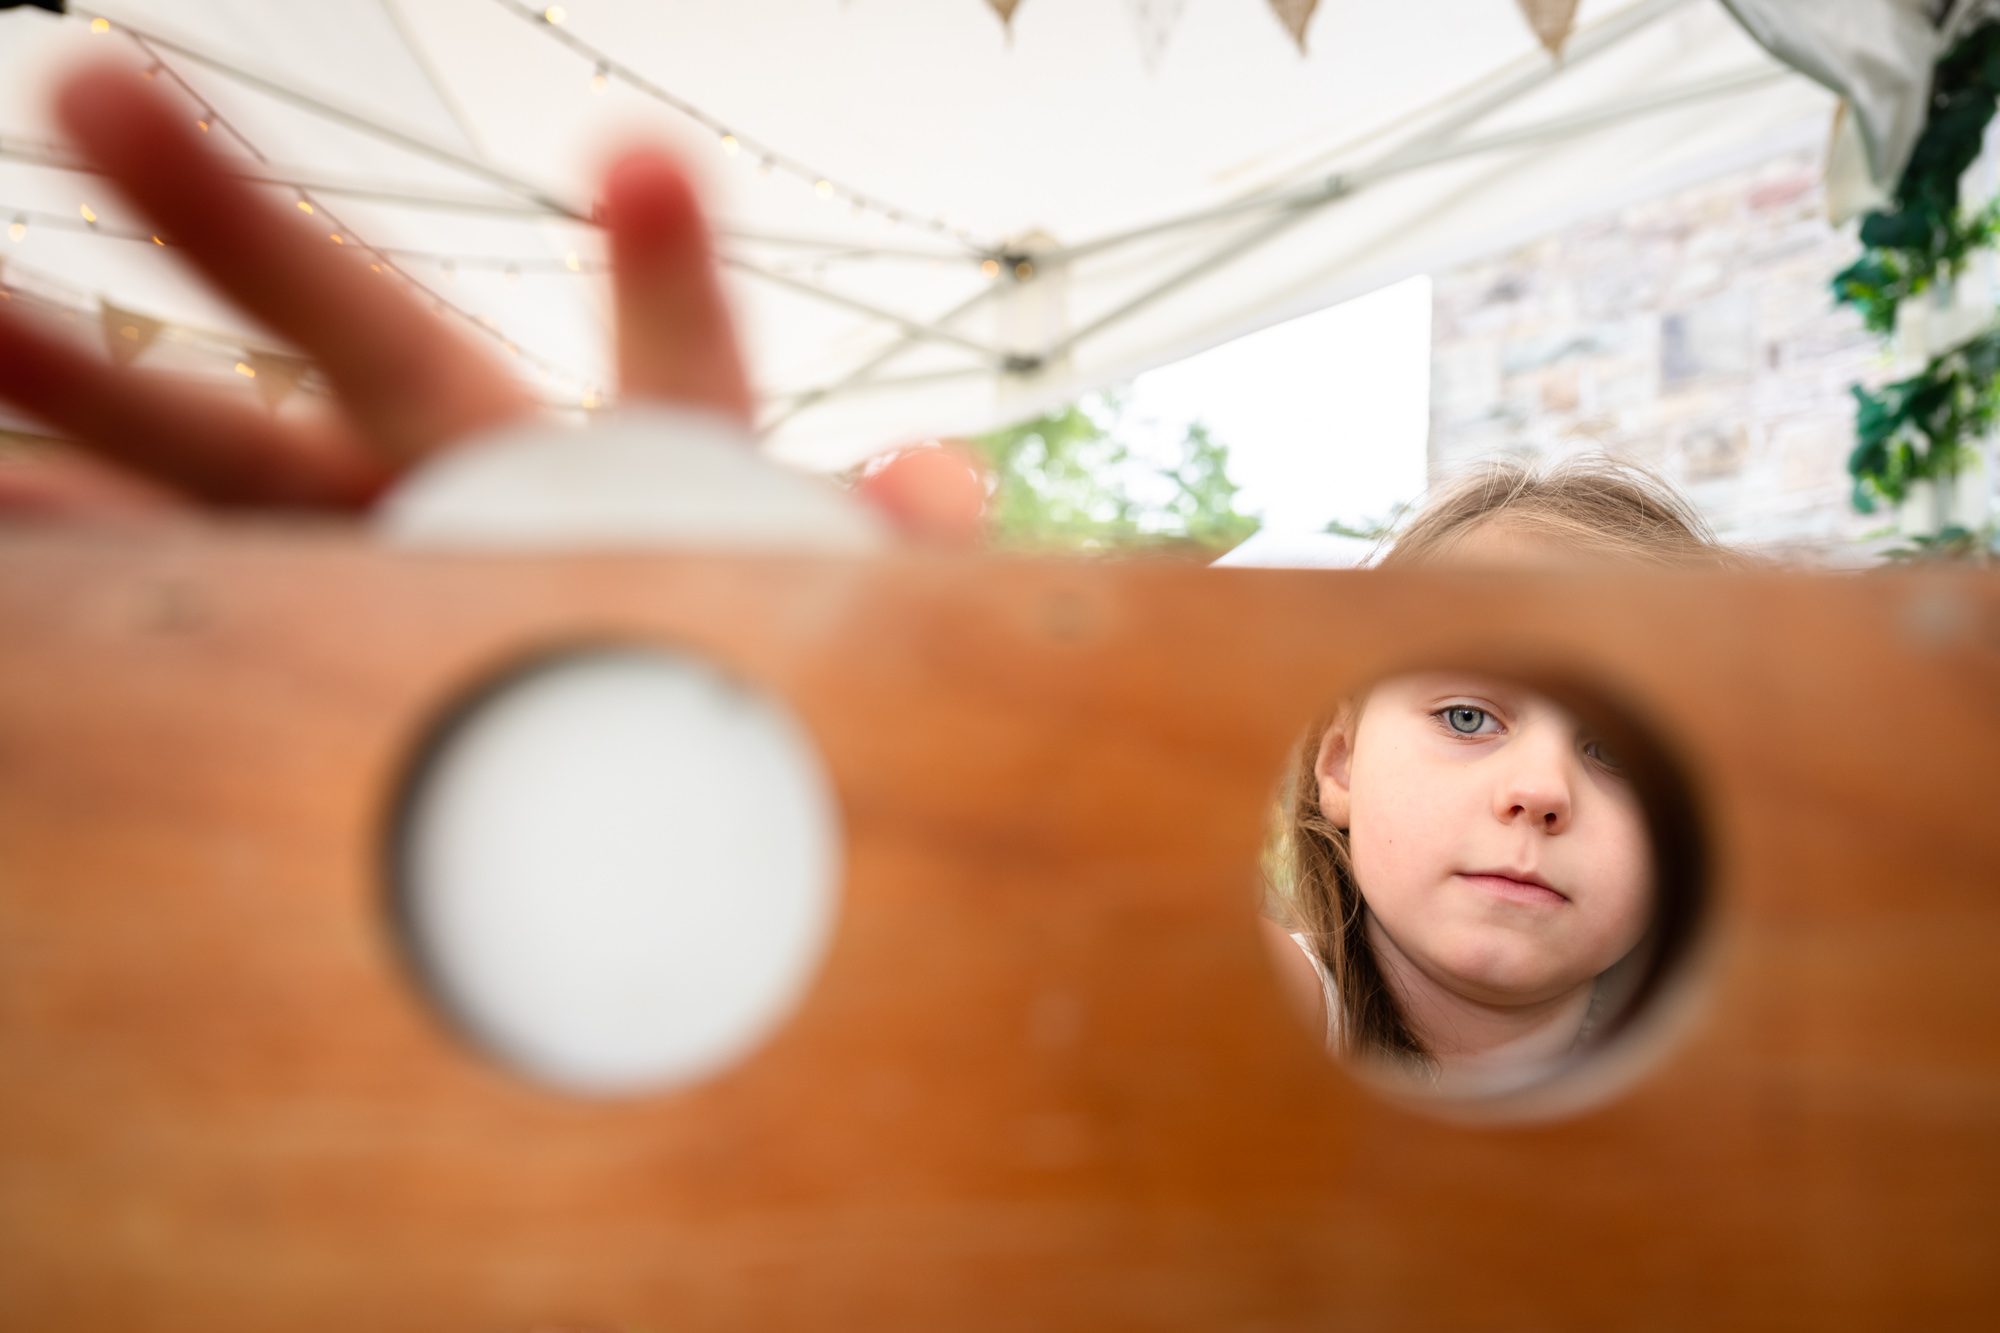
{"points": [[381, 260], [571, 265], [230, 351], [552, 22], [29, 287], [391, 261]]}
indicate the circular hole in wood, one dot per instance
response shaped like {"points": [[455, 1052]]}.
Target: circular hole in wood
{"points": [[1484, 892], [617, 868]]}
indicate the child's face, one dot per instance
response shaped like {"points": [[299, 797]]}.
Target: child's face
{"points": [[1497, 848]]}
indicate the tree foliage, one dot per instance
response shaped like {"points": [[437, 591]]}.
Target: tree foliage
{"points": [[1072, 479]]}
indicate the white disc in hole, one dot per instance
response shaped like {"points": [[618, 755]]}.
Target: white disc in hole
{"points": [[619, 869]]}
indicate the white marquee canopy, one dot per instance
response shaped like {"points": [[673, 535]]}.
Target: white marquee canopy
{"points": [[933, 221]]}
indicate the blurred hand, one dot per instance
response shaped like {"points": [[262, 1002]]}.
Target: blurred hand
{"points": [[407, 382]]}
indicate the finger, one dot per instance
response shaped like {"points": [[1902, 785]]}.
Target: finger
{"points": [[202, 441], [935, 494], [676, 340], [412, 382], [70, 486]]}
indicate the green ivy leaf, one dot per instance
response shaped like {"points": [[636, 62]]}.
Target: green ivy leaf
{"points": [[1921, 428]]}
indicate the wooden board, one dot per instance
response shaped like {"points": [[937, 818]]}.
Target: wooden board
{"points": [[1046, 1079]]}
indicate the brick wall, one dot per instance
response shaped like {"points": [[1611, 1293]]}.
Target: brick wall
{"points": [[1693, 333]]}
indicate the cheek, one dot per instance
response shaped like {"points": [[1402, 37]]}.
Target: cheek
{"points": [[1400, 838], [1621, 869]]}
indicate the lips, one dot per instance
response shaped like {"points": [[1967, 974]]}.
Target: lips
{"points": [[1516, 886]]}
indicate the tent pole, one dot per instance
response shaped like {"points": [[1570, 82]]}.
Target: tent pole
{"points": [[1592, 41], [32, 153], [432, 75], [911, 328], [1303, 205], [897, 382], [1215, 259], [1421, 148], [1562, 127], [861, 374]]}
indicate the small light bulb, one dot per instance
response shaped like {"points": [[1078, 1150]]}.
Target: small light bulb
{"points": [[204, 126], [591, 400], [158, 241], [991, 268], [554, 14], [18, 231], [335, 238], [377, 268], [572, 263], [1024, 270], [824, 189], [247, 371], [130, 333], [305, 207], [601, 79], [100, 25], [88, 215], [729, 144]]}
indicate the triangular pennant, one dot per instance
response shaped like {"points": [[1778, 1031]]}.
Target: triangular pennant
{"points": [[1154, 21], [126, 334], [1552, 20], [1005, 9], [1295, 15], [276, 375]]}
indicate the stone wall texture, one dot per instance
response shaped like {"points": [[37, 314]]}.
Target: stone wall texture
{"points": [[1694, 334]]}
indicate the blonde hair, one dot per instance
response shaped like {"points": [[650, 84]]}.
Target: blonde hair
{"points": [[1595, 509]]}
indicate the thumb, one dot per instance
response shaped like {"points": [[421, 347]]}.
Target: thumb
{"points": [[933, 493]]}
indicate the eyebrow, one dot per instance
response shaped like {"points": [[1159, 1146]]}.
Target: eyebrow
{"points": [[1506, 698]]}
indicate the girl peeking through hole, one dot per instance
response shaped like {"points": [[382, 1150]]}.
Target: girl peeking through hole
{"points": [[1464, 881]]}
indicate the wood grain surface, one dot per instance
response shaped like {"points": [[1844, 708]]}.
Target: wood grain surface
{"points": [[1045, 1079]]}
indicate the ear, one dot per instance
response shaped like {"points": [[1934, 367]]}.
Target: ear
{"points": [[1333, 766]]}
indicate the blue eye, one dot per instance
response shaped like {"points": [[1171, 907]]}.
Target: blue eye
{"points": [[1605, 756], [1465, 721]]}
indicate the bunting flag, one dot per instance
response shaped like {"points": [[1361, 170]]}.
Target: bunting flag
{"points": [[275, 375], [1552, 20], [1154, 22], [1295, 15], [126, 334]]}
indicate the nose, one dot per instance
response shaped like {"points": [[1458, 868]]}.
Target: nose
{"points": [[1534, 787]]}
